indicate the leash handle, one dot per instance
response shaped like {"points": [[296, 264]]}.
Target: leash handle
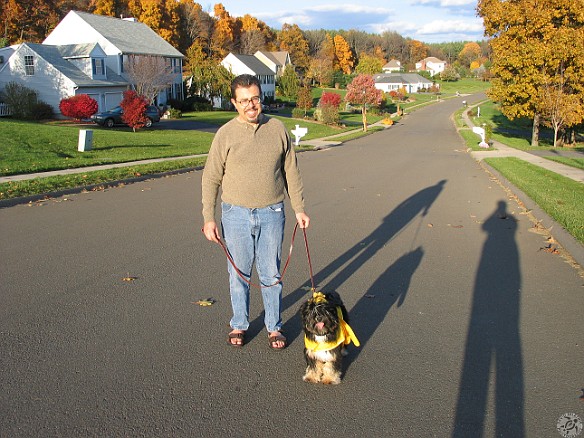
{"points": [[309, 260]]}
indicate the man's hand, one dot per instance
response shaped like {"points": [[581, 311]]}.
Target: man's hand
{"points": [[211, 232], [303, 220]]}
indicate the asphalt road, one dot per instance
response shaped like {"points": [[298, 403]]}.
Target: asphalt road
{"points": [[468, 328]]}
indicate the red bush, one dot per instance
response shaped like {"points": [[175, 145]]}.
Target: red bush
{"points": [[332, 99], [78, 107], [134, 107]]}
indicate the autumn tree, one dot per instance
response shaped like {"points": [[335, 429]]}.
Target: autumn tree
{"points": [[224, 33], [559, 108], [134, 110], [362, 91], [304, 99], [344, 58], [208, 78], [322, 64], [471, 52], [417, 51], [369, 64], [149, 75], [293, 41], [532, 42]]}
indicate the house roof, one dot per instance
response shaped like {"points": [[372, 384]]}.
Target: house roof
{"points": [[392, 63], [54, 56], [432, 59], [131, 37], [401, 78], [254, 64]]}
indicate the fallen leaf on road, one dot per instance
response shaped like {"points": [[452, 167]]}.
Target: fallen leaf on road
{"points": [[430, 225], [551, 249], [205, 303], [455, 226], [129, 279]]}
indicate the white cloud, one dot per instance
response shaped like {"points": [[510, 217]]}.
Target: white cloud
{"points": [[448, 26], [444, 3]]}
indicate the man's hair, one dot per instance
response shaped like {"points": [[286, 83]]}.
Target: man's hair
{"points": [[244, 81]]}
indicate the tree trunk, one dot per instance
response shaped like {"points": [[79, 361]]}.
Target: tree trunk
{"points": [[364, 112], [535, 132]]}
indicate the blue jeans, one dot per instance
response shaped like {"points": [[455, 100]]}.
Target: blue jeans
{"points": [[254, 234]]}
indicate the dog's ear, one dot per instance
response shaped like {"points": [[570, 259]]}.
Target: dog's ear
{"points": [[334, 298]]}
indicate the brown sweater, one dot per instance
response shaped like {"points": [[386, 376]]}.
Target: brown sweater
{"points": [[255, 165]]}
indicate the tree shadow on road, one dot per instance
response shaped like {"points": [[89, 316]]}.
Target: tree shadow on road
{"points": [[348, 263], [493, 344]]}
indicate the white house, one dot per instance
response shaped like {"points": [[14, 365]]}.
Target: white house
{"points": [[58, 72], [432, 65], [276, 61], [85, 54], [249, 64], [392, 66], [412, 82]]}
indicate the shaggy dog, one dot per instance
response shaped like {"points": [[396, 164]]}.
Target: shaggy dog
{"points": [[326, 332]]}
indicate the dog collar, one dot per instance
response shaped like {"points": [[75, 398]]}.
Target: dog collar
{"points": [[345, 335]]}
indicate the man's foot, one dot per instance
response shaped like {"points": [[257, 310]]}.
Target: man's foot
{"points": [[277, 340], [236, 338]]}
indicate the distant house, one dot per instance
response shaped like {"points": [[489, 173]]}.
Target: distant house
{"points": [[392, 66], [276, 61], [412, 82], [85, 54], [432, 65], [249, 64]]}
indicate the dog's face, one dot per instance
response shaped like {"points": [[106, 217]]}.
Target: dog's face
{"points": [[319, 316]]}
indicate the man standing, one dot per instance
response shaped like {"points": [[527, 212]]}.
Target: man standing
{"points": [[253, 161]]}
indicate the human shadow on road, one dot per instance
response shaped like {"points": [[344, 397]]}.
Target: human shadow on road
{"points": [[493, 343], [348, 263]]}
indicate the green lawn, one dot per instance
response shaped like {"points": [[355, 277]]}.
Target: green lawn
{"points": [[560, 197], [28, 147]]}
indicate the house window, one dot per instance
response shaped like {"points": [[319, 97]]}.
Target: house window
{"points": [[29, 65], [98, 67]]}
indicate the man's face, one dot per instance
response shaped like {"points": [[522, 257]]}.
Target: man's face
{"points": [[244, 103]]}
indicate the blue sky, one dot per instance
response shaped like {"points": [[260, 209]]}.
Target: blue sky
{"points": [[430, 21]]}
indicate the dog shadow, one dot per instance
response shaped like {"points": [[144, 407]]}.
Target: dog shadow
{"points": [[348, 263]]}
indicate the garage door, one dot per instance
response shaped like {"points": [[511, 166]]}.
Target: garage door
{"points": [[112, 100]]}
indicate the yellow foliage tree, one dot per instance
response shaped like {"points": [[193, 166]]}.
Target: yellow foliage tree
{"points": [[532, 43], [293, 41], [344, 58], [469, 53], [223, 38]]}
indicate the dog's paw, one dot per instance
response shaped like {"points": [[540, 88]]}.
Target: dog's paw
{"points": [[310, 378], [331, 380]]}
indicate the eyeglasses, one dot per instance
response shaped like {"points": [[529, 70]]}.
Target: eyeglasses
{"points": [[245, 102]]}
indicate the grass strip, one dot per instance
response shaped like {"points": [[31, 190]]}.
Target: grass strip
{"points": [[560, 197], [16, 189], [573, 162]]}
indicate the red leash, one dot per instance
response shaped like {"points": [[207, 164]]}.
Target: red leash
{"points": [[242, 276]]}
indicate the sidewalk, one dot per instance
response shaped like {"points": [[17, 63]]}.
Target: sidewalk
{"points": [[503, 150]]}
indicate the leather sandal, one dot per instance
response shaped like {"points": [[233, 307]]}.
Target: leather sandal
{"points": [[238, 336]]}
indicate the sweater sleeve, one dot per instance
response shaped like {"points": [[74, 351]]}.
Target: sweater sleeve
{"points": [[292, 177], [212, 177]]}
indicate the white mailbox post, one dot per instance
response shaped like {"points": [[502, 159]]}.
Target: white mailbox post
{"points": [[85, 140], [480, 131], [299, 133]]}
